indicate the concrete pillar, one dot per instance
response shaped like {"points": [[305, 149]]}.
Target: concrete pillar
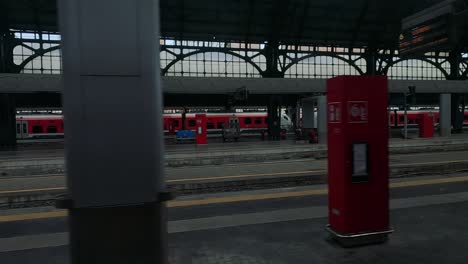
{"points": [[112, 85], [298, 115], [445, 124], [322, 119], [274, 118], [458, 112], [7, 121], [308, 115]]}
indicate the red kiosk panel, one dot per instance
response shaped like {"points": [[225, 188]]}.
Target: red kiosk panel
{"points": [[426, 125], [358, 154], [200, 131]]}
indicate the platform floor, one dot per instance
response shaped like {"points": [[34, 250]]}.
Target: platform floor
{"points": [[273, 226]]}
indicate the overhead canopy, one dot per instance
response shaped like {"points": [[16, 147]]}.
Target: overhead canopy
{"points": [[32, 83], [334, 22]]}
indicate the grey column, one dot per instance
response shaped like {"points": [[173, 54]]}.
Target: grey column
{"points": [[114, 148], [274, 118], [445, 124], [7, 121], [298, 114], [322, 119], [458, 112], [308, 116]]}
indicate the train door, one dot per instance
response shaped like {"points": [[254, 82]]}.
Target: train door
{"points": [[18, 129], [22, 129]]}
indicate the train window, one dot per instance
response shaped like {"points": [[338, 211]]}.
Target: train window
{"points": [[258, 121], [37, 129], [51, 129], [466, 117], [220, 125], [391, 119], [209, 125], [402, 118], [266, 120], [247, 120], [18, 129], [175, 123], [25, 129], [410, 121], [192, 123]]}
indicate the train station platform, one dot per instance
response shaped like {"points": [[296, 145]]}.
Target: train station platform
{"points": [[47, 159], [33, 189], [278, 226], [216, 152], [34, 174]]}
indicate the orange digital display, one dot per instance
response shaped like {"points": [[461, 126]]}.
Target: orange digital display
{"points": [[428, 36], [421, 30]]}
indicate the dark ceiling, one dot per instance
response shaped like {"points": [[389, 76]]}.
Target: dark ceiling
{"points": [[341, 22]]}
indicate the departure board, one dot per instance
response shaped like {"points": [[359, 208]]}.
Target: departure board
{"points": [[432, 35]]}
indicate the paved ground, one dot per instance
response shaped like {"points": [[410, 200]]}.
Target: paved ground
{"points": [[273, 226], [421, 162]]}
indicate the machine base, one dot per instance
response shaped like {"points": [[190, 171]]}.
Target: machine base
{"points": [[360, 239]]}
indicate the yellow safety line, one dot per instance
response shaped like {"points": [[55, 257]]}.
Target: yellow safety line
{"points": [[428, 182], [230, 199], [303, 193], [34, 190], [33, 216], [246, 176], [253, 197], [31, 177]]}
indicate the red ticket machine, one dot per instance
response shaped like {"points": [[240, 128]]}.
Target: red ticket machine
{"points": [[200, 133], [358, 159], [426, 125]]}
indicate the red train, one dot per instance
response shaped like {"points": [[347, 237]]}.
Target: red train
{"points": [[255, 121], [414, 116], [41, 126]]}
